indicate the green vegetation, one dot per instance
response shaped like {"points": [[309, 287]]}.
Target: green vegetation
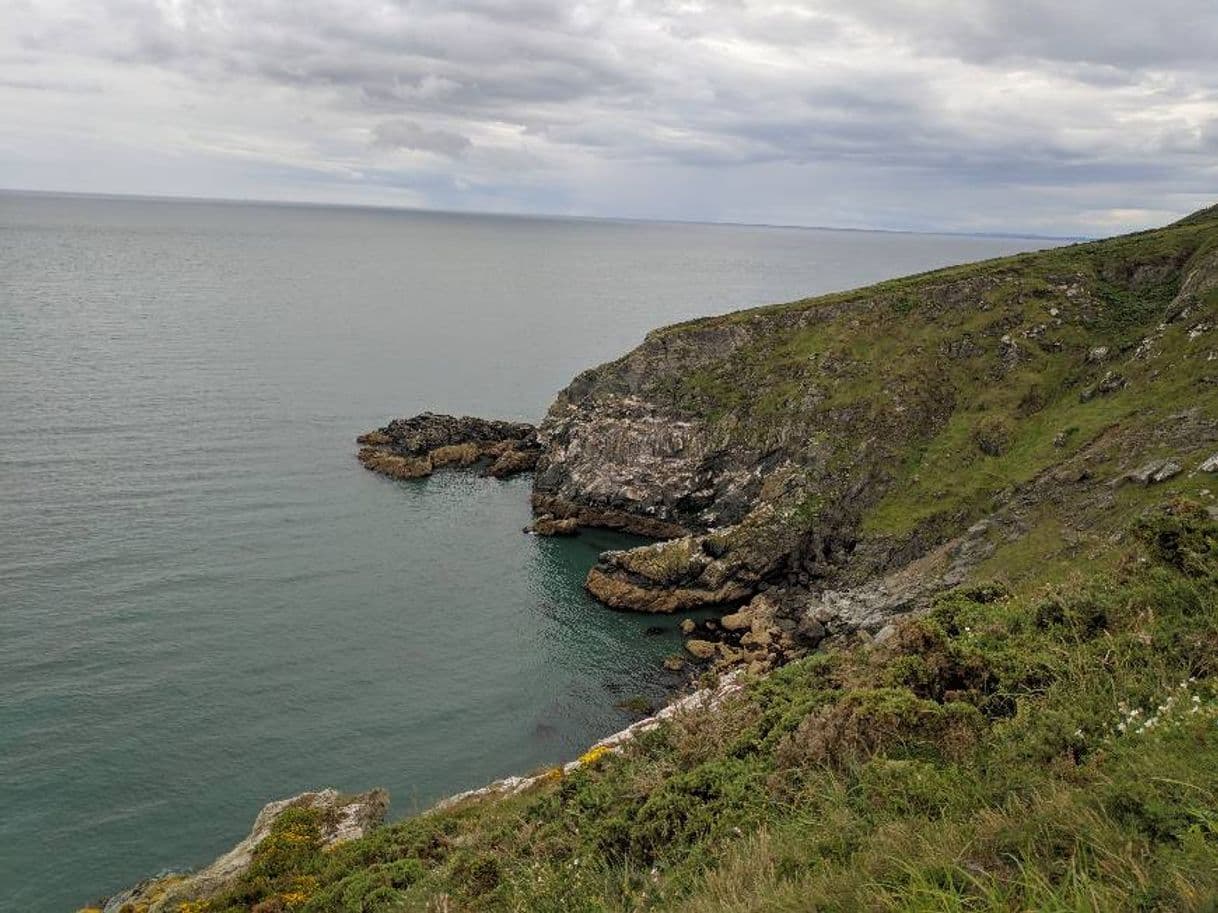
{"points": [[1043, 737], [1054, 748], [949, 390]]}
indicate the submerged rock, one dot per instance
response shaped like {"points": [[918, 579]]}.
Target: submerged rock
{"points": [[413, 448]]}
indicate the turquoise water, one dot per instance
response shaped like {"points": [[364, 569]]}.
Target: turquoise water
{"points": [[206, 604]]}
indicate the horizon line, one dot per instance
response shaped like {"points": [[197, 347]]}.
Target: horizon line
{"points": [[250, 201]]}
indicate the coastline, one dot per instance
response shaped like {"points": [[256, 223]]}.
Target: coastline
{"points": [[855, 519]]}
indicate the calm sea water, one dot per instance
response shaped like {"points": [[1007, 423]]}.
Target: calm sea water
{"points": [[206, 604]]}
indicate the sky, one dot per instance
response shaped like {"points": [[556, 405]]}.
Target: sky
{"points": [[1087, 117]]}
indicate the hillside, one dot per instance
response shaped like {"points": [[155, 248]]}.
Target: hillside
{"points": [[961, 531], [884, 443]]}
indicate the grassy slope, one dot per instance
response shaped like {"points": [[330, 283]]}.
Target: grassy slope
{"points": [[993, 755], [903, 380], [1055, 749]]}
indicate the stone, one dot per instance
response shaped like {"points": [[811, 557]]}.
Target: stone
{"points": [[512, 461], [810, 630], [674, 663], [885, 633], [737, 621], [1168, 470], [700, 649], [1210, 465], [756, 639], [1152, 473], [552, 526], [688, 626]]}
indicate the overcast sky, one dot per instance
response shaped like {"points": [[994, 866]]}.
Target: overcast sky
{"points": [[1050, 116]]}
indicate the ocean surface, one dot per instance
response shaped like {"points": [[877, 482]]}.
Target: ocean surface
{"points": [[207, 604]]}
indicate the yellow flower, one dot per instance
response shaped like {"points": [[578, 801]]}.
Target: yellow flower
{"points": [[594, 754]]}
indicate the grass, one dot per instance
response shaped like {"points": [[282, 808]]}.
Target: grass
{"points": [[1052, 748]]}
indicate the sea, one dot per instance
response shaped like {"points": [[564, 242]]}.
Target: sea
{"points": [[207, 604]]}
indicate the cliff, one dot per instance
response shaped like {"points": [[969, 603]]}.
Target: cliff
{"points": [[962, 534], [851, 454]]}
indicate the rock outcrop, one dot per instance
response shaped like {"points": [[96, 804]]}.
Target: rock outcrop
{"points": [[412, 448], [845, 458], [343, 818], [818, 451]]}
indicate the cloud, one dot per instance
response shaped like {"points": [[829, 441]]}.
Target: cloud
{"points": [[927, 113], [406, 134]]}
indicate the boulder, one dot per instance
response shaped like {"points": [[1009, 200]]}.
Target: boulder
{"points": [[512, 462], [700, 649], [1210, 465], [1152, 473], [737, 621], [553, 526]]}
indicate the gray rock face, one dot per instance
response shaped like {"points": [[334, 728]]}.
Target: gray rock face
{"points": [[610, 445], [1153, 473]]}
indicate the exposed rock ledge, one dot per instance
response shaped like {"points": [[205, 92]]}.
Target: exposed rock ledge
{"points": [[412, 448], [345, 817], [704, 698]]}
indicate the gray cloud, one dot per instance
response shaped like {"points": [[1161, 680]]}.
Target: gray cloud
{"points": [[1082, 117], [406, 134]]}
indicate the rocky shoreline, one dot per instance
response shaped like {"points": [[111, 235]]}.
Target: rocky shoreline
{"points": [[768, 616]]}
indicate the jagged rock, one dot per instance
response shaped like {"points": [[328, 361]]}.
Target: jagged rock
{"points": [[1210, 465], [700, 649], [1168, 470], [682, 574], [1152, 473], [687, 626], [552, 526], [674, 663], [345, 817], [737, 621], [415, 447], [810, 631], [513, 461]]}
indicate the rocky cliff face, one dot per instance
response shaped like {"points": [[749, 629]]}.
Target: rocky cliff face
{"points": [[843, 458], [813, 451]]}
